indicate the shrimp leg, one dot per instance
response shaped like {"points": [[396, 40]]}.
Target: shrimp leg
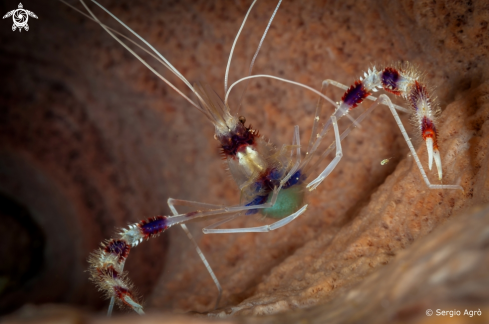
{"points": [[371, 98], [339, 154], [171, 203], [259, 229], [385, 100]]}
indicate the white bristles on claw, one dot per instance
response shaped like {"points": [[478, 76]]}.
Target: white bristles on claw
{"points": [[429, 146], [437, 157], [371, 80]]}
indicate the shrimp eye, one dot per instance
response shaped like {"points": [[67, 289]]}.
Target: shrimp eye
{"points": [[242, 119]]}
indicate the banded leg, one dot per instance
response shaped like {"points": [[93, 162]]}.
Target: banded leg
{"points": [[385, 100], [371, 98]]}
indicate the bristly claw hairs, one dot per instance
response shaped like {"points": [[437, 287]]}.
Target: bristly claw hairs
{"points": [[273, 180]]}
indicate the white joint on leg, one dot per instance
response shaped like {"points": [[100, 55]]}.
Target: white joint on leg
{"points": [[437, 157], [315, 183], [429, 146]]}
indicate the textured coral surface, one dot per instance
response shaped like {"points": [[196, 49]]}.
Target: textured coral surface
{"points": [[444, 272], [91, 140]]}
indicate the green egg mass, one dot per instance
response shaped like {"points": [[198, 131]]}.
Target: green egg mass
{"points": [[288, 201]]}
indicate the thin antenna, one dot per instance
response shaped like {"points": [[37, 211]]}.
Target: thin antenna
{"points": [[291, 82], [173, 69], [116, 32], [263, 37], [234, 45], [145, 63], [256, 53]]}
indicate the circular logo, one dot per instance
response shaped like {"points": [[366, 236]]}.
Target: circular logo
{"points": [[429, 312], [20, 18]]}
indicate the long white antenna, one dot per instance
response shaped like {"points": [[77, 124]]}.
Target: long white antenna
{"points": [[291, 82], [257, 51], [172, 68], [146, 64], [234, 45], [280, 79], [263, 37], [116, 32]]}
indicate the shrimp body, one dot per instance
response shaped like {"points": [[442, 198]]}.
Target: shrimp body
{"points": [[271, 179], [265, 168], [256, 165]]}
